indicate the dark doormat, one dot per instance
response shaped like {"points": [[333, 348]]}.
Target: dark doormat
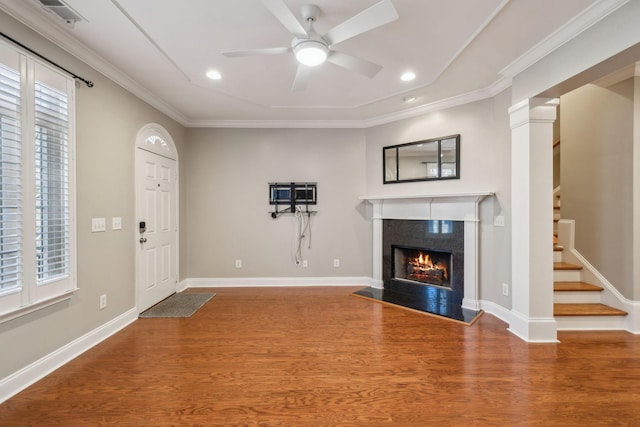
{"points": [[178, 305]]}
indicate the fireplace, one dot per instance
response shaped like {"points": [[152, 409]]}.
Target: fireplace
{"points": [[447, 223], [403, 244], [422, 266]]}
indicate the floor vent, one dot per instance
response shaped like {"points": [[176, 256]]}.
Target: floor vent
{"points": [[61, 10]]}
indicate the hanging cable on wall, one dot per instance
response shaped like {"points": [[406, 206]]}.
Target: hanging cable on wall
{"points": [[303, 222], [295, 197]]}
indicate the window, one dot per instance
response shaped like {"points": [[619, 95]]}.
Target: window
{"points": [[37, 232]]}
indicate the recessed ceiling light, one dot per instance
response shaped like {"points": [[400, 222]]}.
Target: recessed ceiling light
{"points": [[214, 75], [409, 98], [408, 76]]}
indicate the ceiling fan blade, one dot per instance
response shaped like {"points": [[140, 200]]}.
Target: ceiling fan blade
{"points": [[285, 16], [352, 63], [373, 17], [302, 78], [253, 52]]}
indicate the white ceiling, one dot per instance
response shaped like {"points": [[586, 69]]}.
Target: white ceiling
{"points": [[161, 50]]}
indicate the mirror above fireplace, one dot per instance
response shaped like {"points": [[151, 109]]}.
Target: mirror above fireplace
{"points": [[431, 159]]}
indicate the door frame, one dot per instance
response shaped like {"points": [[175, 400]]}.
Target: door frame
{"points": [[156, 139]]}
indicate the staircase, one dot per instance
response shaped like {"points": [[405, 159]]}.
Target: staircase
{"points": [[577, 304]]}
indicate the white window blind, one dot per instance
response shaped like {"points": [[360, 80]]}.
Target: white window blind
{"points": [[10, 182], [52, 183], [37, 198]]}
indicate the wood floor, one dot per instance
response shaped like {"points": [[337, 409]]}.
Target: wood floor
{"points": [[320, 357]]}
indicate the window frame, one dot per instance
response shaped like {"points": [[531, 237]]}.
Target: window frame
{"points": [[31, 293]]}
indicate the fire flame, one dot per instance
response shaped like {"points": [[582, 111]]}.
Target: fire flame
{"points": [[424, 263]]}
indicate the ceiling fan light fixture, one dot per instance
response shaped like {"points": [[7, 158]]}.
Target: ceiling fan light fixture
{"points": [[311, 52]]}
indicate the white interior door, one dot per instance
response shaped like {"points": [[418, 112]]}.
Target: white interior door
{"points": [[156, 178]]}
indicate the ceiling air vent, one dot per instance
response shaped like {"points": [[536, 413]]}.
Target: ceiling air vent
{"points": [[61, 10]]}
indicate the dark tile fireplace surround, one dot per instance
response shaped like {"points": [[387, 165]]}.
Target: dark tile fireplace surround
{"points": [[432, 291]]}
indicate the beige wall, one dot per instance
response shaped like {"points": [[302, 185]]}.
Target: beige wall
{"points": [[107, 121], [228, 172], [597, 173]]}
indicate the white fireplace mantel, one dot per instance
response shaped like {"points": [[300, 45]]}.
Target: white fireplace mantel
{"points": [[454, 207]]}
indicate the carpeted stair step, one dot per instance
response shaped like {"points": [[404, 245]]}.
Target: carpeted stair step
{"points": [[586, 310]]}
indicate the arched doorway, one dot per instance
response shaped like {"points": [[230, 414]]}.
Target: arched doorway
{"points": [[156, 230]]}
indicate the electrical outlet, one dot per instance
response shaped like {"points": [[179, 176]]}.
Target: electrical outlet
{"points": [[505, 289], [336, 263], [305, 263], [238, 263], [103, 301], [498, 221]]}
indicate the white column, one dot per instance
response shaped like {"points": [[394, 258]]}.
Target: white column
{"points": [[471, 254], [532, 220], [633, 320], [377, 244]]}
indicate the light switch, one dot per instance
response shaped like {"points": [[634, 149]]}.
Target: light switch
{"points": [[116, 223], [98, 225]]}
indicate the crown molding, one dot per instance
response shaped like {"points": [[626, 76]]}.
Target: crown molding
{"points": [[26, 12], [466, 98], [48, 27], [478, 95], [277, 124], [573, 28]]}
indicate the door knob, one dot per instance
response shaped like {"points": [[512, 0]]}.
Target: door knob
{"points": [[143, 240]]}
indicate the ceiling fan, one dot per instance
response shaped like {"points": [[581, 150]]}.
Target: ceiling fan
{"points": [[311, 49]]}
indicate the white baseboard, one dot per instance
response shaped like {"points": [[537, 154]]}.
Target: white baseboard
{"points": [[182, 285], [18, 381], [243, 282], [533, 329], [499, 311]]}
